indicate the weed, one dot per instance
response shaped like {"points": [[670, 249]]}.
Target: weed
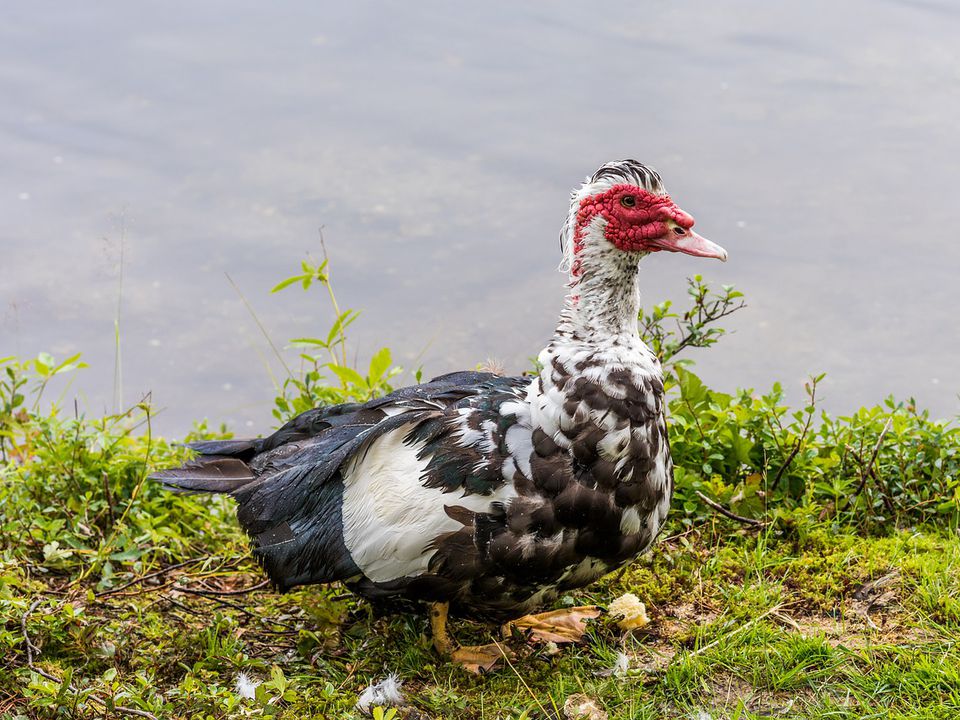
{"points": [[328, 359]]}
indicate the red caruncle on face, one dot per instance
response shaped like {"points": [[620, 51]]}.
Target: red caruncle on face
{"points": [[635, 216]]}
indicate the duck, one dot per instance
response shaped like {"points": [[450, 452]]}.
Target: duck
{"points": [[477, 494]]}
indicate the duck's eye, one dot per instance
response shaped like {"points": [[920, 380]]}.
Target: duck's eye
{"points": [[679, 230], [628, 201]]}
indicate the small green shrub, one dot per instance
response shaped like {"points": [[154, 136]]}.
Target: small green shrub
{"points": [[881, 467], [74, 495]]}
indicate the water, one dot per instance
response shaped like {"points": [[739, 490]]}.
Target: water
{"points": [[436, 146]]}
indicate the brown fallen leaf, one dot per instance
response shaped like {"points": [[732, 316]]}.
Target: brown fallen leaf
{"points": [[480, 658], [558, 626]]}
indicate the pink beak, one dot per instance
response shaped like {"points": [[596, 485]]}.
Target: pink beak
{"points": [[692, 244]]}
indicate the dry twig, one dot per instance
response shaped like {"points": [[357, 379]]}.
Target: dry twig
{"points": [[729, 513], [149, 576], [801, 439], [219, 593], [239, 608], [866, 472]]}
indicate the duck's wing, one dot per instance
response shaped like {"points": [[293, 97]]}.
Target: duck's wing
{"points": [[362, 491]]}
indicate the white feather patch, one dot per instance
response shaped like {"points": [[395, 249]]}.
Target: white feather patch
{"points": [[391, 410], [246, 687], [585, 572], [482, 438], [520, 446], [390, 518], [384, 694], [630, 521], [615, 444]]}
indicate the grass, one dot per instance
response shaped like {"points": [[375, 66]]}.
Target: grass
{"points": [[744, 625]]}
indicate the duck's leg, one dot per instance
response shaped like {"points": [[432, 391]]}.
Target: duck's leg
{"points": [[475, 658], [438, 627]]}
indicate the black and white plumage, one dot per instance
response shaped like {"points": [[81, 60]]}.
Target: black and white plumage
{"points": [[494, 494]]}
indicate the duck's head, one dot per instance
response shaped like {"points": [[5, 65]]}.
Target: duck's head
{"points": [[622, 212]]}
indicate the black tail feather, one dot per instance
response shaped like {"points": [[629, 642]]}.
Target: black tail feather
{"points": [[240, 449], [213, 474]]}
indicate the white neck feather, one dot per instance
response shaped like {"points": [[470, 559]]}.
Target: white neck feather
{"points": [[604, 298]]}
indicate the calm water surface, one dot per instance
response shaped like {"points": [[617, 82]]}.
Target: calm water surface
{"points": [[436, 144]]}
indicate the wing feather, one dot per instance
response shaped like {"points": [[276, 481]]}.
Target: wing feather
{"points": [[289, 486]]}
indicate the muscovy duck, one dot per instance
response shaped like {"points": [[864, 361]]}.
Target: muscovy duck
{"points": [[484, 494]]}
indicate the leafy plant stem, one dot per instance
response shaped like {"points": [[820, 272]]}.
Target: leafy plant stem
{"points": [[263, 330], [333, 301]]}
